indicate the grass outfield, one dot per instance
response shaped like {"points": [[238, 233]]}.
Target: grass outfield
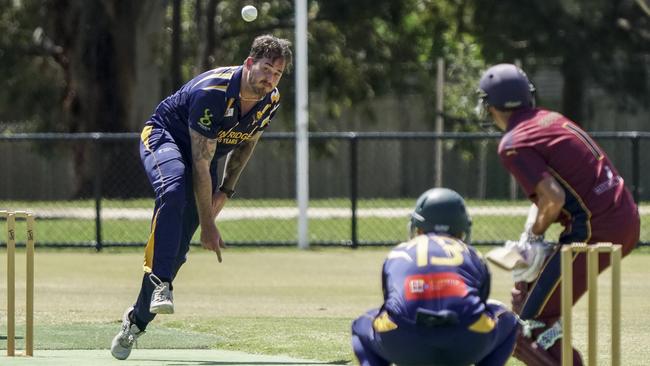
{"points": [[268, 301], [336, 230], [486, 228], [155, 357], [243, 202]]}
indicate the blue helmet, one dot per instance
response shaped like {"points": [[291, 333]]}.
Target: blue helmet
{"points": [[505, 87], [441, 211]]}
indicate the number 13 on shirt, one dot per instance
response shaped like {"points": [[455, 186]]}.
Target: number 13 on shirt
{"points": [[452, 249]]}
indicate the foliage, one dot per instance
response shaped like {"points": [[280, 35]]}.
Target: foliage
{"points": [[393, 49], [357, 51], [30, 82], [601, 41]]}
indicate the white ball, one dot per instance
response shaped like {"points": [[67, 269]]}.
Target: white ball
{"points": [[249, 13]]}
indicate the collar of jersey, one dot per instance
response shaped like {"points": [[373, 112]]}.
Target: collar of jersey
{"points": [[235, 84], [520, 115]]}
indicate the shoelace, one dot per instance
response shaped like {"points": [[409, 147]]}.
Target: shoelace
{"points": [[160, 295], [155, 280], [161, 292], [129, 338]]}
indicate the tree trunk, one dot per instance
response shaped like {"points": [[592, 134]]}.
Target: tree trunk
{"points": [[176, 45], [147, 90], [104, 44], [574, 80], [207, 54]]}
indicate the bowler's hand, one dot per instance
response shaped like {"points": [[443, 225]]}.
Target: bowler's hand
{"points": [[211, 239]]}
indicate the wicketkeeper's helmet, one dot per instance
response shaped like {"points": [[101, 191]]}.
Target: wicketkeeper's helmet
{"points": [[442, 211], [505, 87]]}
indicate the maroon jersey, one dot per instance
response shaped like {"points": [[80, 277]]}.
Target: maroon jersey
{"points": [[540, 143]]}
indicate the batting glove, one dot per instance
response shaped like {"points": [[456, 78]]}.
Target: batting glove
{"points": [[534, 250]]}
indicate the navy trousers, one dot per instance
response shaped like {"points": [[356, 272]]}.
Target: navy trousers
{"points": [[410, 344], [175, 217]]}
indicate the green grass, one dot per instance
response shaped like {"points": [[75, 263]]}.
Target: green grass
{"points": [[268, 301], [485, 228], [295, 336], [332, 231], [244, 202]]}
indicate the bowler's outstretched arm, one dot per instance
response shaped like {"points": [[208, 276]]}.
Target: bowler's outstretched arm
{"points": [[203, 150]]}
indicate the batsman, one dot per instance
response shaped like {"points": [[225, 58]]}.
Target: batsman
{"points": [[570, 180]]}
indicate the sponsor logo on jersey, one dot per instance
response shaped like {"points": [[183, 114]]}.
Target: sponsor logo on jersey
{"points": [[233, 137], [434, 286], [416, 286], [205, 121]]}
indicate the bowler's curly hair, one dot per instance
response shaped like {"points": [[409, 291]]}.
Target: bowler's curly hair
{"points": [[268, 46]]}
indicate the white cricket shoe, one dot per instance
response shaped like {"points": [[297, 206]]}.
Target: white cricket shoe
{"points": [[162, 298], [126, 338]]}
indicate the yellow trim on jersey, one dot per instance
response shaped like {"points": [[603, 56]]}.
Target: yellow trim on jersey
{"points": [[383, 323], [422, 250], [147, 266], [275, 96], [222, 88], [229, 104], [484, 324], [225, 74], [261, 113], [266, 121], [144, 136]]}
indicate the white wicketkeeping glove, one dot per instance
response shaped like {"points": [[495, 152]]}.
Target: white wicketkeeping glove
{"points": [[534, 250]]}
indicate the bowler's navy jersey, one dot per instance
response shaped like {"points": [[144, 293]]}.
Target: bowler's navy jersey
{"points": [[435, 273], [210, 105]]}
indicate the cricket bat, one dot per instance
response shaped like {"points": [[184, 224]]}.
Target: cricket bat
{"points": [[506, 258]]}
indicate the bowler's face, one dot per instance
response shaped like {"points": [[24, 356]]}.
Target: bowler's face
{"points": [[265, 74]]}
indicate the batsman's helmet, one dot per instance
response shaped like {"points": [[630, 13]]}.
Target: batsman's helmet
{"points": [[442, 211], [505, 87]]}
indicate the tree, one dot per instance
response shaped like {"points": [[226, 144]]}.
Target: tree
{"points": [[111, 59], [592, 40], [105, 50], [30, 81]]}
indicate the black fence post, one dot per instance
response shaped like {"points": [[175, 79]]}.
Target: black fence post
{"points": [[353, 187], [635, 168], [97, 192]]}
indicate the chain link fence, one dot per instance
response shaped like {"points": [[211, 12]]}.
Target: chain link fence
{"points": [[90, 190]]}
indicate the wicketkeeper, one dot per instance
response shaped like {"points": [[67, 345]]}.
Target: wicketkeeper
{"points": [[436, 309]]}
